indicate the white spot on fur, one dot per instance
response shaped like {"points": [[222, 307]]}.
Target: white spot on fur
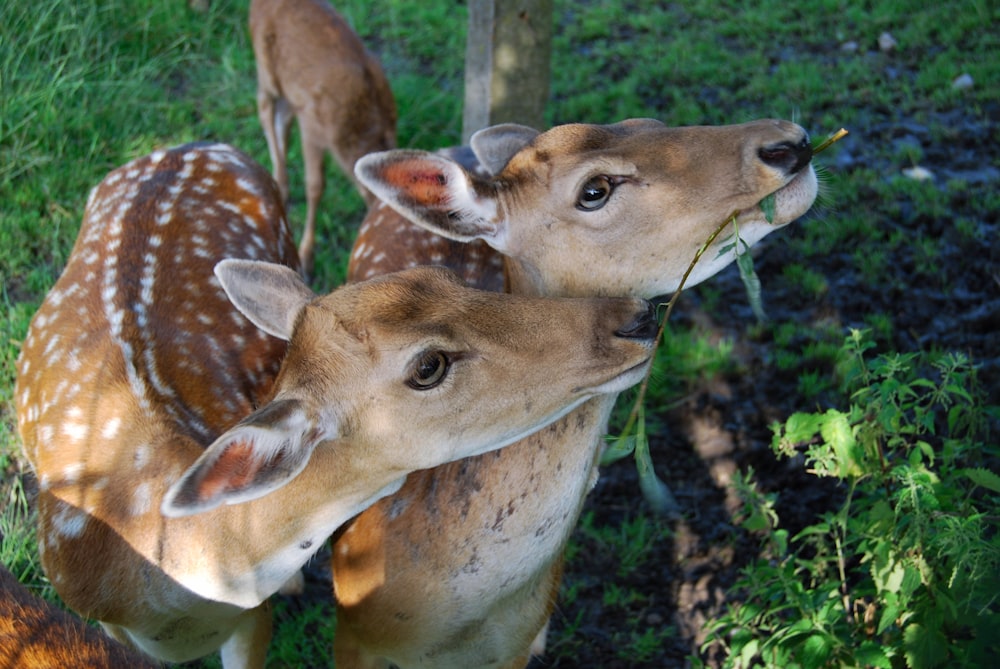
{"points": [[141, 456], [69, 522], [111, 428], [71, 472], [77, 431], [142, 500]]}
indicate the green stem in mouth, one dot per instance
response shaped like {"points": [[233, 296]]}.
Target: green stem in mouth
{"points": [[840, 134]]}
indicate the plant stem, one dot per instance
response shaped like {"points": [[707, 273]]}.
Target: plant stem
{"points": [[633, 416], [840, 134]]}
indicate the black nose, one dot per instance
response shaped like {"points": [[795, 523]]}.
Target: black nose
{"points": [[789, 156], [643, 326]]}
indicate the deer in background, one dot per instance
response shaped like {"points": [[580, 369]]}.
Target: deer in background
{"points": [[183, 477], [312, 67], [460, 568], [35, 633]]}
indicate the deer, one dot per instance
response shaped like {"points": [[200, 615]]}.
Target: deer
{"points": [[37, 633], [461, 567], [311, 66], [200, 422]]}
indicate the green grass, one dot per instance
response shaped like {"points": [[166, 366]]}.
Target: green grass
{"points": [[85, 87]]}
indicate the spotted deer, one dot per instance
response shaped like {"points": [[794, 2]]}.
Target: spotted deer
{"points": [[313, 67], [183, 476], [460, 568], [35, 633]]}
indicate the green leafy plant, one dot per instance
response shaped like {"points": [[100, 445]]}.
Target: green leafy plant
{"points": [[906, 571]]}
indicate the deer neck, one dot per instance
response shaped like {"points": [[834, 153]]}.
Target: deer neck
{"points": [[239, 554], [260, 544], [523, 278]]}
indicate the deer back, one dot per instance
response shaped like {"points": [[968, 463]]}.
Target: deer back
{"points": [[136, 360]]}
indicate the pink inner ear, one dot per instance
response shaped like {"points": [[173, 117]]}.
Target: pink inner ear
{"points": [[235, 469], [420, 182]]}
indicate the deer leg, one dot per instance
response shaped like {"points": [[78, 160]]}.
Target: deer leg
{"points": [[247, 646], [276, 120], [347, 651], [313, 154]]}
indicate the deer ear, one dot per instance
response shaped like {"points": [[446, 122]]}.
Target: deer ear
{"points": [[262, 453], [433, 191], [271, 296], [496, 145]]}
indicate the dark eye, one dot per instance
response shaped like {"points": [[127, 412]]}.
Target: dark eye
{"points": [[428, 370], [595, 193]]}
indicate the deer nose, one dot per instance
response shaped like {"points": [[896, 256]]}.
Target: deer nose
{"points": [[788, 156], [643, 325]]}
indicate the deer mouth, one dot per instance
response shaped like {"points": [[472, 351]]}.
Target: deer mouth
{"points": [[621, 381], [796, 197]]}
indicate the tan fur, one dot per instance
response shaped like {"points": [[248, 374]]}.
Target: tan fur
{"points": [[313, 67], [138, 360], [459, 569]]}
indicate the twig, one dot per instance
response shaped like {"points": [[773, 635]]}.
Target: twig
{"points": [[633, 416], [840, 134]]}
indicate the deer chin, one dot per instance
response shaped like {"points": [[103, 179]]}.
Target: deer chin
{"points": [[794, 199], [791, 201]]}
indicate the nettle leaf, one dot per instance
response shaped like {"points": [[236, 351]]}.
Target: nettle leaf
{"points": [[748, 651], [756, 521], [871, 654], [889, 614], [983, 478], [888, 577], [816, 651], [803, 426], [926, 647], [836, 431], [910, 582], [881, 517]]}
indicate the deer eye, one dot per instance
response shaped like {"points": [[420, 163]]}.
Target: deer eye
{"points": [[595, 193], [428, 370]]}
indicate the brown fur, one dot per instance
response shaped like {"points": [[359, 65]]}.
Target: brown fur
{"points": [[35, 634]]}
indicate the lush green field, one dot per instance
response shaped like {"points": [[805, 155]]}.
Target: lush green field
{"points": [[85, 87]]}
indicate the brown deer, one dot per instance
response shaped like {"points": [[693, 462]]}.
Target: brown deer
{"points": [[312, 67], [137, 361], [460, 568], [35, 633]]}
